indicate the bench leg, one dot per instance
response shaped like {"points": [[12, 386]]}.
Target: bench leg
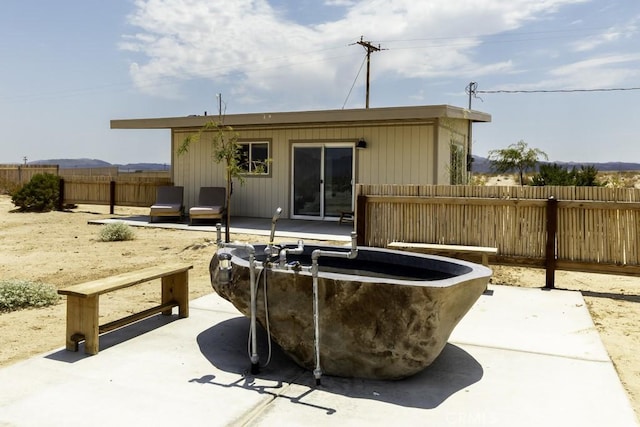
{"points": [[82, 319], [176, 287]]}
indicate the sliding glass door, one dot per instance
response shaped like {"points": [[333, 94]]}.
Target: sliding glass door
{"points": [[322, 178]]}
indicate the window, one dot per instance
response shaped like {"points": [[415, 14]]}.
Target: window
{"points": [[457, 167], [254, 157]]}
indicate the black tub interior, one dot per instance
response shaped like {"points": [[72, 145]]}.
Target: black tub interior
{"points": [[373, 262]]}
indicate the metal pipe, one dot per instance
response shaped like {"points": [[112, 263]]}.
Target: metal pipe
{"points": [[255, 359], [295, 251], [315, 255]]}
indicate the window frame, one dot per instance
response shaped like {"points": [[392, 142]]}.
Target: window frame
{"points": [[250, 142]]}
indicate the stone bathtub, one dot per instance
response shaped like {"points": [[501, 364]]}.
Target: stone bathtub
{"points": [[384, 315]]}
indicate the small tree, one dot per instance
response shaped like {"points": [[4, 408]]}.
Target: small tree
{"points": [[516, 157], [225, 148]]}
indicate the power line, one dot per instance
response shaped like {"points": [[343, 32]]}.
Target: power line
{"points": [[354, 82], [505, 35], [473, 92]]}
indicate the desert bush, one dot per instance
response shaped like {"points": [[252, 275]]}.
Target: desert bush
{"points": [[18, 294], [8, 187], [479, 180], [554, 174], [115, 232], [41, 194]]}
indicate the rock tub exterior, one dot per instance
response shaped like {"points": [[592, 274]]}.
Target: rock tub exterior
{"points": [[372, 324]]}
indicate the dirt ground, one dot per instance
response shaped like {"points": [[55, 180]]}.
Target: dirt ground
{"points": [[61, 248]]}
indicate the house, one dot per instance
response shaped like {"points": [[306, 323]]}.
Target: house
{"points": [[308, 162]]}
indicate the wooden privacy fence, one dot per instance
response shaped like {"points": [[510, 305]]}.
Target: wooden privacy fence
{"points": [[122, 190], [12, 176], [570, 228]]}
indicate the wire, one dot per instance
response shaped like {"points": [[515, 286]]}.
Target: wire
{"points": [[556, 90], [354, 81], [588, 30]]}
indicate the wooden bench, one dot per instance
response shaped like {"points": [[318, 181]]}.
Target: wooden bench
{"points": [[83, 302], [435, 249]]}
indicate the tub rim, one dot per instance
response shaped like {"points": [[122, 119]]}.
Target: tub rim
{"points": [[476, 271]]}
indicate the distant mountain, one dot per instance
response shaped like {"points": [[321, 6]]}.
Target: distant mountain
{"points": [[73, 163], [95, 163], [483, 165], [480, 165]]}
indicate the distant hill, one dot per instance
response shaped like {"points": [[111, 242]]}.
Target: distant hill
{"points": [[483, 165], [73, 163], [95, 163], [480, 165]]}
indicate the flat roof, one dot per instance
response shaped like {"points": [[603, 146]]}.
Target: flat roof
{"points": [[319, 117]]}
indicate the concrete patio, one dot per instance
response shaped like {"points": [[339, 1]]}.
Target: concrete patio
{"points": [[521, 357]]}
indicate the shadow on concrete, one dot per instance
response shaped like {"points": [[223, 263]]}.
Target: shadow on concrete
{"points": [[225, 346], [611, 295], [117, 336]]}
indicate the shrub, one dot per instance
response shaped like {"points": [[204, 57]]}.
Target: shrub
{"points": [[554, 174], [41, 194], [115, 232], [18, 294]]}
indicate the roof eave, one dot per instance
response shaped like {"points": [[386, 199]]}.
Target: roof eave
{"points": [[419, 113]]}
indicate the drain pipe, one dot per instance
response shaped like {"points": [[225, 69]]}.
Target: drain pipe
{"points": [[255, 359], [317, 253]]}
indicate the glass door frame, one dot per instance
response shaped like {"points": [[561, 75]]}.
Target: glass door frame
{"points": [[322, 145]]}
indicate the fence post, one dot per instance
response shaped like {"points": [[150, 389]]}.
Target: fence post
{"points": [[552, 238], [60, 194], [361, 219], [112, 196]]}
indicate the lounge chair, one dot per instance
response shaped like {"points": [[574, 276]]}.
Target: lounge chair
{"points": [[169, 202], [212, 204]]}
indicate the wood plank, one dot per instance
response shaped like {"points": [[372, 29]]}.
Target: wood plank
{"points": [[449, 248], [137, 316], [124, 280]]}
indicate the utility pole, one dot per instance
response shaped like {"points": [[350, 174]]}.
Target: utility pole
{"points": [[369, 48], [472, 91]]}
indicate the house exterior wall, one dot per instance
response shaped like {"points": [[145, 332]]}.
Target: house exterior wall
{"points": [[396, 153], [452, 132]]}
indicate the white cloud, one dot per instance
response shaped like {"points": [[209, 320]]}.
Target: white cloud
{"points": [[599, 72], [611, 34], [602, 72], [258, 53], [340, 2]]}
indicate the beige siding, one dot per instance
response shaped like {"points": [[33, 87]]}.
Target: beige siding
{"points": [[395, 154], [449, 131]]}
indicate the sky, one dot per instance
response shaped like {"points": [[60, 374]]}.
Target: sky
{"points": [[70, 66]]}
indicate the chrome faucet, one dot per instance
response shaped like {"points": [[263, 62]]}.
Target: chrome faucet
{"points": [[272, 250], [284, 251]]}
